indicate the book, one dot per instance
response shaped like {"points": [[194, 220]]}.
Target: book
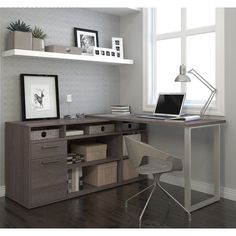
{"points": [[121, 113], [75, 179], [74, 132], [120, 107], [117, 110], [69, 181]]}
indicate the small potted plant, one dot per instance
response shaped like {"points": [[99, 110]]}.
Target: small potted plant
{"points": [[20, 36], [38, 39]]}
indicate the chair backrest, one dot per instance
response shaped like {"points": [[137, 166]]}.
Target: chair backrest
{"points": [[137, 150]]}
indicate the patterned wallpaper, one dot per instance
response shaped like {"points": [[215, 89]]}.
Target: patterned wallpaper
{"points": [[94, 87]]}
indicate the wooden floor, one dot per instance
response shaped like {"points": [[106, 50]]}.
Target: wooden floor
{"points": [[106, 210]]}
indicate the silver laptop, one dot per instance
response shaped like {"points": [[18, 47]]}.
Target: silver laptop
{"points": [[168, 106]]}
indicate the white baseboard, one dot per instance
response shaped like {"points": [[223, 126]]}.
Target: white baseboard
{"points": [[2, 191], [225, 192]]}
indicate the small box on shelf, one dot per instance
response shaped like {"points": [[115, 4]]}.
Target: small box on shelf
{"points": [[91, 151], [63, 49], [100, 175]]}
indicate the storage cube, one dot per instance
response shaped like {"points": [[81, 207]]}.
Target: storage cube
{"points": [[100, 175], [99, 129], [129, 170], [130, 126], [91, 151]]}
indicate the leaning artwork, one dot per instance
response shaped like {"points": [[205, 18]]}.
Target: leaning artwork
{"points": [[40, 98]]}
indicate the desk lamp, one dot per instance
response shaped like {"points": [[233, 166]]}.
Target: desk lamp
{"points": [[183, 77]]}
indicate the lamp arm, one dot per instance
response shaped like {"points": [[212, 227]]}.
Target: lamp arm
{"points": [[209, 86], [203, 110], [199, 77]]}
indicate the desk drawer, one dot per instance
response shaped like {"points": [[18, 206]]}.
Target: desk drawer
{"points": [[48, 179], [47, 149]]}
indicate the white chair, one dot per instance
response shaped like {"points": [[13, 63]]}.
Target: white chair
{"points": [[159, 162]]}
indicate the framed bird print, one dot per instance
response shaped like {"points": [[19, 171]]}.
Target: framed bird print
{"points": [[39, 97]]}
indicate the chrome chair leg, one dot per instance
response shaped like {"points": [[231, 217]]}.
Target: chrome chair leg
{"points": [[135, 195], [169, 195], [149, 198]]}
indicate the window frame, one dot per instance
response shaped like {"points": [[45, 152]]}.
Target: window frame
{"points": [[149, 58]]}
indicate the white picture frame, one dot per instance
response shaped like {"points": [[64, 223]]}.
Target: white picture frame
{"points": [[117, 45], [104, 52]]}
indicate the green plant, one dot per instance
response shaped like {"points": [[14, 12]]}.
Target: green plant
{"points": [[38, 33], [19, 26]]}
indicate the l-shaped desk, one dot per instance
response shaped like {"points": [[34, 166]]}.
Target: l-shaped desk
{"points": [[188, 127]]}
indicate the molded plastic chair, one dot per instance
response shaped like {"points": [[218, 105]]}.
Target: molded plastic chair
{"points": [[159, 162]]}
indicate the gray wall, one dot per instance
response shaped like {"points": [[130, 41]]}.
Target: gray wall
{"points": [[171, 139], [94, 87], [229, 157]]}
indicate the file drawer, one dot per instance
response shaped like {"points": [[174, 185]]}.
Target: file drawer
{"points": [[48, 179], [47, 149]]}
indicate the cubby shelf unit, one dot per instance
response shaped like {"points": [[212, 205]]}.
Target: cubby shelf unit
{"points": [[63, 56]]}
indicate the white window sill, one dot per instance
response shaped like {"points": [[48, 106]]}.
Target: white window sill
{"points": [[212, 111]]}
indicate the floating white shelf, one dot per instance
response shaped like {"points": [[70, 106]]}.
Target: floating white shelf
{"points": [[63, 56]]}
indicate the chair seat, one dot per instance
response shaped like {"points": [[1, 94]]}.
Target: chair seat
{"points": [[154, 168]]}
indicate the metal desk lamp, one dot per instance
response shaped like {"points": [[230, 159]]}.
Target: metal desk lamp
{"points": [[183, 77]]}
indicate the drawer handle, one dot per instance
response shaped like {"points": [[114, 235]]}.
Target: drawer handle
{"points": [[49, 162], [49, 147]]}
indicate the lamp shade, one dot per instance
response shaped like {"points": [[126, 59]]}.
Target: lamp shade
{"points": [[182, 77]]}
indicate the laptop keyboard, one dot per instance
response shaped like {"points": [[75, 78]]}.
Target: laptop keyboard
{"points": [[158, 117]]}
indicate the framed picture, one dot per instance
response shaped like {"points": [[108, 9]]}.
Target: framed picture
{"points": [[86, 40], [39, 97], [117, 45], [107, 52]]}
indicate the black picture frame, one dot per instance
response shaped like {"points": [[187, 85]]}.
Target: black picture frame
{"points": [[32, 103], [86, 39]]}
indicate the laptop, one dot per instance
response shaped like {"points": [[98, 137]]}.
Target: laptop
{"points": [[168, 106]]}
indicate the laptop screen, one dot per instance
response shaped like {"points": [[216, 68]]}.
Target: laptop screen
{"points": [[169, 104]]}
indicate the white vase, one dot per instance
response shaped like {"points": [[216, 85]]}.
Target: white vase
{"points": [[38, 44]]}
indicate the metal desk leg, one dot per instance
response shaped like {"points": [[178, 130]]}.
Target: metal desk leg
{"points": [[217, 162], [187, 168]]}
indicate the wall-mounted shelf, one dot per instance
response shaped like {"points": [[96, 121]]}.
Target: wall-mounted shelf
{"points": [[63, 56]]}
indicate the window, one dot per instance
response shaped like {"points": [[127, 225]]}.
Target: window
{"points": [[184, 38]]}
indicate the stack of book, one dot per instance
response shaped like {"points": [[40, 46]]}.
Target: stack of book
{"points": [[73, 158], [120, 109], [75, 180]]}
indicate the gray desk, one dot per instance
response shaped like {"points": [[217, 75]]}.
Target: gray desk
{"points": [[188, 127]]}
